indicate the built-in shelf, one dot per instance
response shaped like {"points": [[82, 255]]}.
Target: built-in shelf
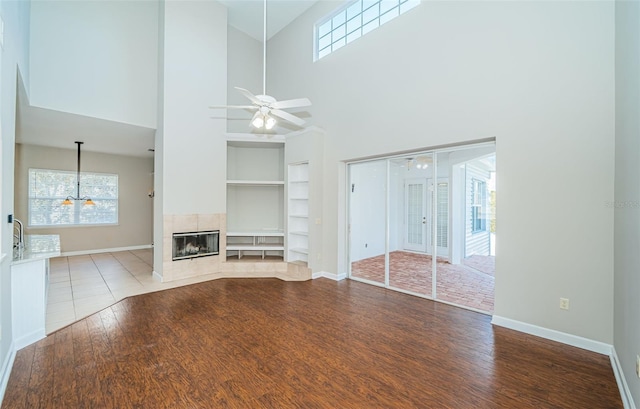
{"points": [[256, 182], [255, 199], [262, 243], [298, 213]]}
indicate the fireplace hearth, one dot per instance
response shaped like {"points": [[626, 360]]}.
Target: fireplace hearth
{"points": [[196, 244]]}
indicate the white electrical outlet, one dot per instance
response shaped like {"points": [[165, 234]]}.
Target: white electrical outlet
{"points": [[564, 303], [638, 365]]}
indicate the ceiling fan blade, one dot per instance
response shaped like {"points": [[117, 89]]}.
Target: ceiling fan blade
{"points": [[291, 103], [288, 117], [233, 107], [249, 95]]}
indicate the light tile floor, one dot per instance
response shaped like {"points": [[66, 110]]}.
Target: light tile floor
{"points": [[83, 285]]}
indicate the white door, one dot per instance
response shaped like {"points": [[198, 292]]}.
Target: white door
{"points": [[442, 217], [415, 235]]}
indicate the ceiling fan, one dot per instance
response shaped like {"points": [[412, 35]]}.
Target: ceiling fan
{"points": [[267, 107]]}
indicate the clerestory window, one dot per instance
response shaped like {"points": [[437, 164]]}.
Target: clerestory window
{"points": [[354, 20]]}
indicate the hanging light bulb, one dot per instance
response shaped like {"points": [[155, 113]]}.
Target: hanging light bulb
{"points": [[258, 120], [270, 122], [67, 201], [89, 202]]}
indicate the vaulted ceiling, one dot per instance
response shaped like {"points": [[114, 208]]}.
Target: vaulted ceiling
{"points": [[246, 15], [39, 126]]}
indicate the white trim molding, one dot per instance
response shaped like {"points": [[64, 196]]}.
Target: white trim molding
{"points": [[623, 387], [112, 250], [553, 335], [576, 341], [7, 365], [330, 276], [29, 339]]}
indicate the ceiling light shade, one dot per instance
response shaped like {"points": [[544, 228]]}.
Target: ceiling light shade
{"points": [[258, 120], [69, 199], [270, 122]]}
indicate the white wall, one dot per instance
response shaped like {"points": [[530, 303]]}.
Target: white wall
{"points": [[195, 75], [96, 58], [367, 201], [397, 210], [244, 70], [135, 180], [537, 76], [158, 163], [626, 207], [13, 58]]}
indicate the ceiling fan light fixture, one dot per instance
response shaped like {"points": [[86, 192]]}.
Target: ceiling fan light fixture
{"points": [[258, 120], [267, 106], [270, 122]]}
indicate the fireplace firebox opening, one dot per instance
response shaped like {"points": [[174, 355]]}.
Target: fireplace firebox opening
{"points": [[196, 244]]}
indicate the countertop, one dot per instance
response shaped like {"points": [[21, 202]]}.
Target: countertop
{"points": [[37, 247]]}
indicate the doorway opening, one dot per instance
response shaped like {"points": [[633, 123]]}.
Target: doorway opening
{"points": [[424, 224]]}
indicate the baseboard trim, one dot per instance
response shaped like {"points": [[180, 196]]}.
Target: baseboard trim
{"points": [[7, 365], [330, 276], [156, 275], [623, 387], [553, 335], [29, 339], [112, 250]]}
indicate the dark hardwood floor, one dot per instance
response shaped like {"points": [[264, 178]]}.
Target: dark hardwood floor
{"points": [[266, 343]]}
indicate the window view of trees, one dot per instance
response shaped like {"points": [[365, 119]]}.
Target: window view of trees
{"points": [[48, 188]]}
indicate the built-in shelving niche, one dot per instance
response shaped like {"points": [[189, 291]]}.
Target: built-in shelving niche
{"points": [[298, 213], [255, 200]]}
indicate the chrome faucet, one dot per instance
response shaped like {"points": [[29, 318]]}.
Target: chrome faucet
{"points": [[20, 235]]}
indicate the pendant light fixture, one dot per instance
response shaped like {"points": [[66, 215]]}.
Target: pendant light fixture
{"points": [[87, 200]]}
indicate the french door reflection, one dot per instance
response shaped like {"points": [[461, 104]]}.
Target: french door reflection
{"points": [[410, 223], [367, 220], [425, 224]]}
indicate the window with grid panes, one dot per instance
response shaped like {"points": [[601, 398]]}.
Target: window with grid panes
{"points": [[478, 206], [354, 20], [48, 188]]}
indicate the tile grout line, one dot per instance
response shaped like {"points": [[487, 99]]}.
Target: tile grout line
{"points": [[47, 311], [128, 271], [105, 283]]}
